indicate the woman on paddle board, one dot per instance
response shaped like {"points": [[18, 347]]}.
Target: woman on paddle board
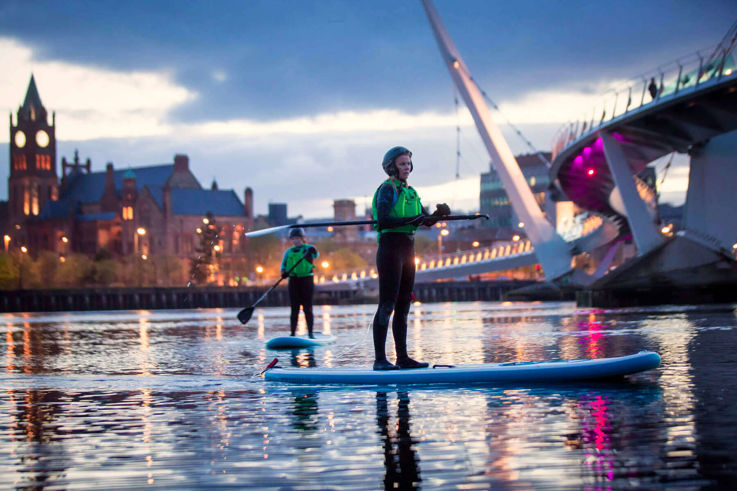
{"points": [[297, 265], [397, 209]]}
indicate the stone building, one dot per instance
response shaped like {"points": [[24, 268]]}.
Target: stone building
{"points": [[147, 210]]}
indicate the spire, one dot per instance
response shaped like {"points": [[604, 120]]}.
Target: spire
{"points": [[32, 106]]}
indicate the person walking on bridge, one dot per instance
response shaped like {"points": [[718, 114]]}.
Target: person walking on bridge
{"points": [[398, 212], [297, 264]]}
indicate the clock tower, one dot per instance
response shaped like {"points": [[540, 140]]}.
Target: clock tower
{"points": [[33, 180]]}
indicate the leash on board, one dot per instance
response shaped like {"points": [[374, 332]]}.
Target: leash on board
{"points": [[269, 366]]}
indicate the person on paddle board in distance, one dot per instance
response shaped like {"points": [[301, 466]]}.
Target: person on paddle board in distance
{"points": [[398, 212], [301, 281]]}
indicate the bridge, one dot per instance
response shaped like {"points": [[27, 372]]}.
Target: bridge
{"points": [[689, 106]]}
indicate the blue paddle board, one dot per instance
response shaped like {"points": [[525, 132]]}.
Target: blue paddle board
{"points": [[297, 342], [530, 372]]}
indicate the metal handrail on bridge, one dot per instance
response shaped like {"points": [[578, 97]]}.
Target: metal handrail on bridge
{"points": [[688, 72], [438, 262]]}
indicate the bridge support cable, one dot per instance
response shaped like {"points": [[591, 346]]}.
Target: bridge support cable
{"points": [[550, 248], [644, 230]]}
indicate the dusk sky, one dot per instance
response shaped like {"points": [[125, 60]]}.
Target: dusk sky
{"points": [[300, 99]]}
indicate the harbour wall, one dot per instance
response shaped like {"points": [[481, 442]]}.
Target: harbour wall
{"points": [[156, 298]]}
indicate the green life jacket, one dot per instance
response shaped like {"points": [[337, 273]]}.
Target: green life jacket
{"points": [[406, 204], [293, 255]]}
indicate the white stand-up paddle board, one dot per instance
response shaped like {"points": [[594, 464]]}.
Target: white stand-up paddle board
{"points": [[530, 372], [296, 342]]}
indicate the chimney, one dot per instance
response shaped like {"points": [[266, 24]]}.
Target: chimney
{"points": [[248, 203], [181, 163], [109, 180]]}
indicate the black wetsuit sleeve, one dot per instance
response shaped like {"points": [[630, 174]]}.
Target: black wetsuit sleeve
{"points": [[384, 205]]}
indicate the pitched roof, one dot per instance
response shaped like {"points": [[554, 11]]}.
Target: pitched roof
{"points": [[94, 217], [55, 209], [89, 188], [32, 102], [200, 201]]}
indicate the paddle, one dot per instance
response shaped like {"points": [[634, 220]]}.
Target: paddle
{"points": [[265, 231], [245, 314]]}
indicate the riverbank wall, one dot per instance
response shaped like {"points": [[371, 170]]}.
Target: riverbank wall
{"points": [[155, 298]]}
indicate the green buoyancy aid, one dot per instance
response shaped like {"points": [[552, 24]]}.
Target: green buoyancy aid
{"points": [[292, 256], [406, 204]]}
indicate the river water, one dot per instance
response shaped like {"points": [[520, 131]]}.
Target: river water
{"points": [[172, 399]]}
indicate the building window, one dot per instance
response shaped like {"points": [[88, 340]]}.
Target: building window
{"points": [[127, 213], [34, 198], [26, 201], [19, 162]]}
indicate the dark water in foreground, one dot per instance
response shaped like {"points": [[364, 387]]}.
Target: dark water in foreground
{"points": [[171, 400]]}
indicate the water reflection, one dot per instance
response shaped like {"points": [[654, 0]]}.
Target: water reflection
{"points": [[400, 459], [167, 399]]}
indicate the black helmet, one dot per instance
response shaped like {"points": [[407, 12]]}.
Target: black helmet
{"points": [[296, 232], [391, 155]]}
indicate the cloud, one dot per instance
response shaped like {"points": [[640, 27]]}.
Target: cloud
{"points": [[92, 102]]}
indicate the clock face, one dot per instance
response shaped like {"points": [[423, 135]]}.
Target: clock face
{"points": [[42, 138], [20, 139]]}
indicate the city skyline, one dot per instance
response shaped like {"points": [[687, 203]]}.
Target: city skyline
{"points": [[299, 100]]}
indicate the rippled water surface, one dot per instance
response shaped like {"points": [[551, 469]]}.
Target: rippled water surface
{"points": [[173, 399]]}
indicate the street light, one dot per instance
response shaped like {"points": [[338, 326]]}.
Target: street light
{"points": [[443, 233], [325, 265], [6, 240], [137, 237]]}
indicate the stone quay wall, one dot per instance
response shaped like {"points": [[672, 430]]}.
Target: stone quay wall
{"points": [[228, 297]]}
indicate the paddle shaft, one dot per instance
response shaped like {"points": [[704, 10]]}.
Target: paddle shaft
{"points": [[265, 231], [245, 313]]}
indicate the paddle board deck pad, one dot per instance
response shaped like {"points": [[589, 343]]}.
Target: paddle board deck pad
{"points": [[297, 342], [531, 372]]}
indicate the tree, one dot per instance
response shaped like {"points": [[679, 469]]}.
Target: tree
{"points": [[203, 263]]}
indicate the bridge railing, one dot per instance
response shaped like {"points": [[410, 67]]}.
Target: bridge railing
{"points": [[666, 80], [434, 262]]}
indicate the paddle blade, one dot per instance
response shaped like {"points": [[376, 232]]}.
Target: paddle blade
{"points": [[266, 231], [245, 315]]}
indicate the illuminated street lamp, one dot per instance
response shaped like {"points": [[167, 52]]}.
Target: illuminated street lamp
{"points": [[443, 233], [325, 265], [6, 241], [515, 238], [137, 239], [475, 243], [24, 249]]}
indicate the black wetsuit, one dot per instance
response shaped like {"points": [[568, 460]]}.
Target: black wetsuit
{"points": [[395, 263], [301, 289]]}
